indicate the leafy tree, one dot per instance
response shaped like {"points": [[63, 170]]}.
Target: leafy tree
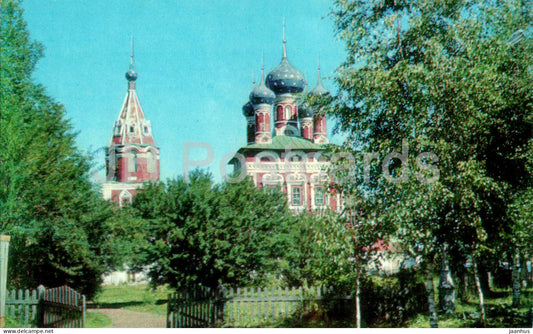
{"points": [[204, 234], [444, 78], [58, 223]]}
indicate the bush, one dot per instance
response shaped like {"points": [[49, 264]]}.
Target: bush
{"points": [[393, 299]]}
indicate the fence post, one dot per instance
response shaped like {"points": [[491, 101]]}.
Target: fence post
{"points": [[40, 308], [84, 321], [4, 252]]}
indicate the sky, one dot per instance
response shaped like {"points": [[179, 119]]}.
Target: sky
{"points": [[195, 62]]}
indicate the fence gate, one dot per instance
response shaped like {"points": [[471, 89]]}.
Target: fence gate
{"points": [[62, 307], [197, 309]]}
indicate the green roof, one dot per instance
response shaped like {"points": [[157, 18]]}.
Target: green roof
{"points": [[282, 143]]}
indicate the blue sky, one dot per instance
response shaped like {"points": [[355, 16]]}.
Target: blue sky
{"points": [[195, 61]]}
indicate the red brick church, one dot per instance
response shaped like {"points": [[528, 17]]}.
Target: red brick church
{"points": [[287, 155], [132, 156]]}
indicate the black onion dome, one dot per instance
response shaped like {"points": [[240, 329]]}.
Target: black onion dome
{"points": [[304, 111], [285, 79], [248, 109], [261, 94], [131, 75], [319, 90]]}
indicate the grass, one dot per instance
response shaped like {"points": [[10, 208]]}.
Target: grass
{"points": [[499, 312], [14, 322], [97, 320], [139, 298]]}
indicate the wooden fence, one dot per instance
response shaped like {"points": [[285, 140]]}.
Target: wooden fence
{"points": [[60, 307], [199, 308], [248, 306], [22, 305]]}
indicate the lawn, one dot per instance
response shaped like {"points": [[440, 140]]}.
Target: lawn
{"points": [[96, 320], [139, 298], [498, 309]]}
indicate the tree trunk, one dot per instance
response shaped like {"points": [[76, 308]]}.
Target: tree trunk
{"points": [[430, 288], [446, 288], [357, 303], [465, 286], [516, 279], [479, 291]]}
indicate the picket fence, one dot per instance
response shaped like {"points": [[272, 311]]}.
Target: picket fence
{"points": [[247, 306], [60, 307], [22, 305]]}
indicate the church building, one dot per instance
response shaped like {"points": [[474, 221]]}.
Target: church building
{"points": [[132, 156], [288, 154]]}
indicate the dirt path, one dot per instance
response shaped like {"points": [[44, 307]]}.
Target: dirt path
{"points": [[131, 319]]}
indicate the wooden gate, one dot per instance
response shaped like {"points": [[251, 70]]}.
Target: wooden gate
{"points": [[198, 309], [62, 307]]}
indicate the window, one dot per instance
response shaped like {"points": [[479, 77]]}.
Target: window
{"points": [[132, 129], [132, 165], [288, 109], [280, 113], [150, 162], [272, 188], [296, 199], [319, 196], [145, 129], [124, 198]]}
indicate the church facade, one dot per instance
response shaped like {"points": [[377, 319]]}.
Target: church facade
{"points": [[286, 140], [132, 157]]}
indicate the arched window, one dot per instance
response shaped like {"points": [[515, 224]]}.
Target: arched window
{"points": [[124, 198], [288, 111], [150, 162], [279, 113], [132, 164]]}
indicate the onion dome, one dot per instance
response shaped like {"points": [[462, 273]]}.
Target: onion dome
{"points": [[285, 78], [319, 90], [248, 109], [131, 75], [304, 111], [261, 93]]}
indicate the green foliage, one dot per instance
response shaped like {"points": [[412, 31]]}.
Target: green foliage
{"points": [[57, 220], [393, 299], [204, 234], [444, 83], [442, 77]]}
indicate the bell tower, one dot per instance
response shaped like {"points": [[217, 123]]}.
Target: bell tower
{"points": [[132, 157]]}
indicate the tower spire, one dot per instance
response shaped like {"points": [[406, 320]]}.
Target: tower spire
{"points": [[284, 42], [131, 75], [318, 68], [263, 67], [253, 79], [131, 56]]}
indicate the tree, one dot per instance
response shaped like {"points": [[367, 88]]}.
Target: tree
{"points": [[204, 234], [54, 214], [439, 82]]}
